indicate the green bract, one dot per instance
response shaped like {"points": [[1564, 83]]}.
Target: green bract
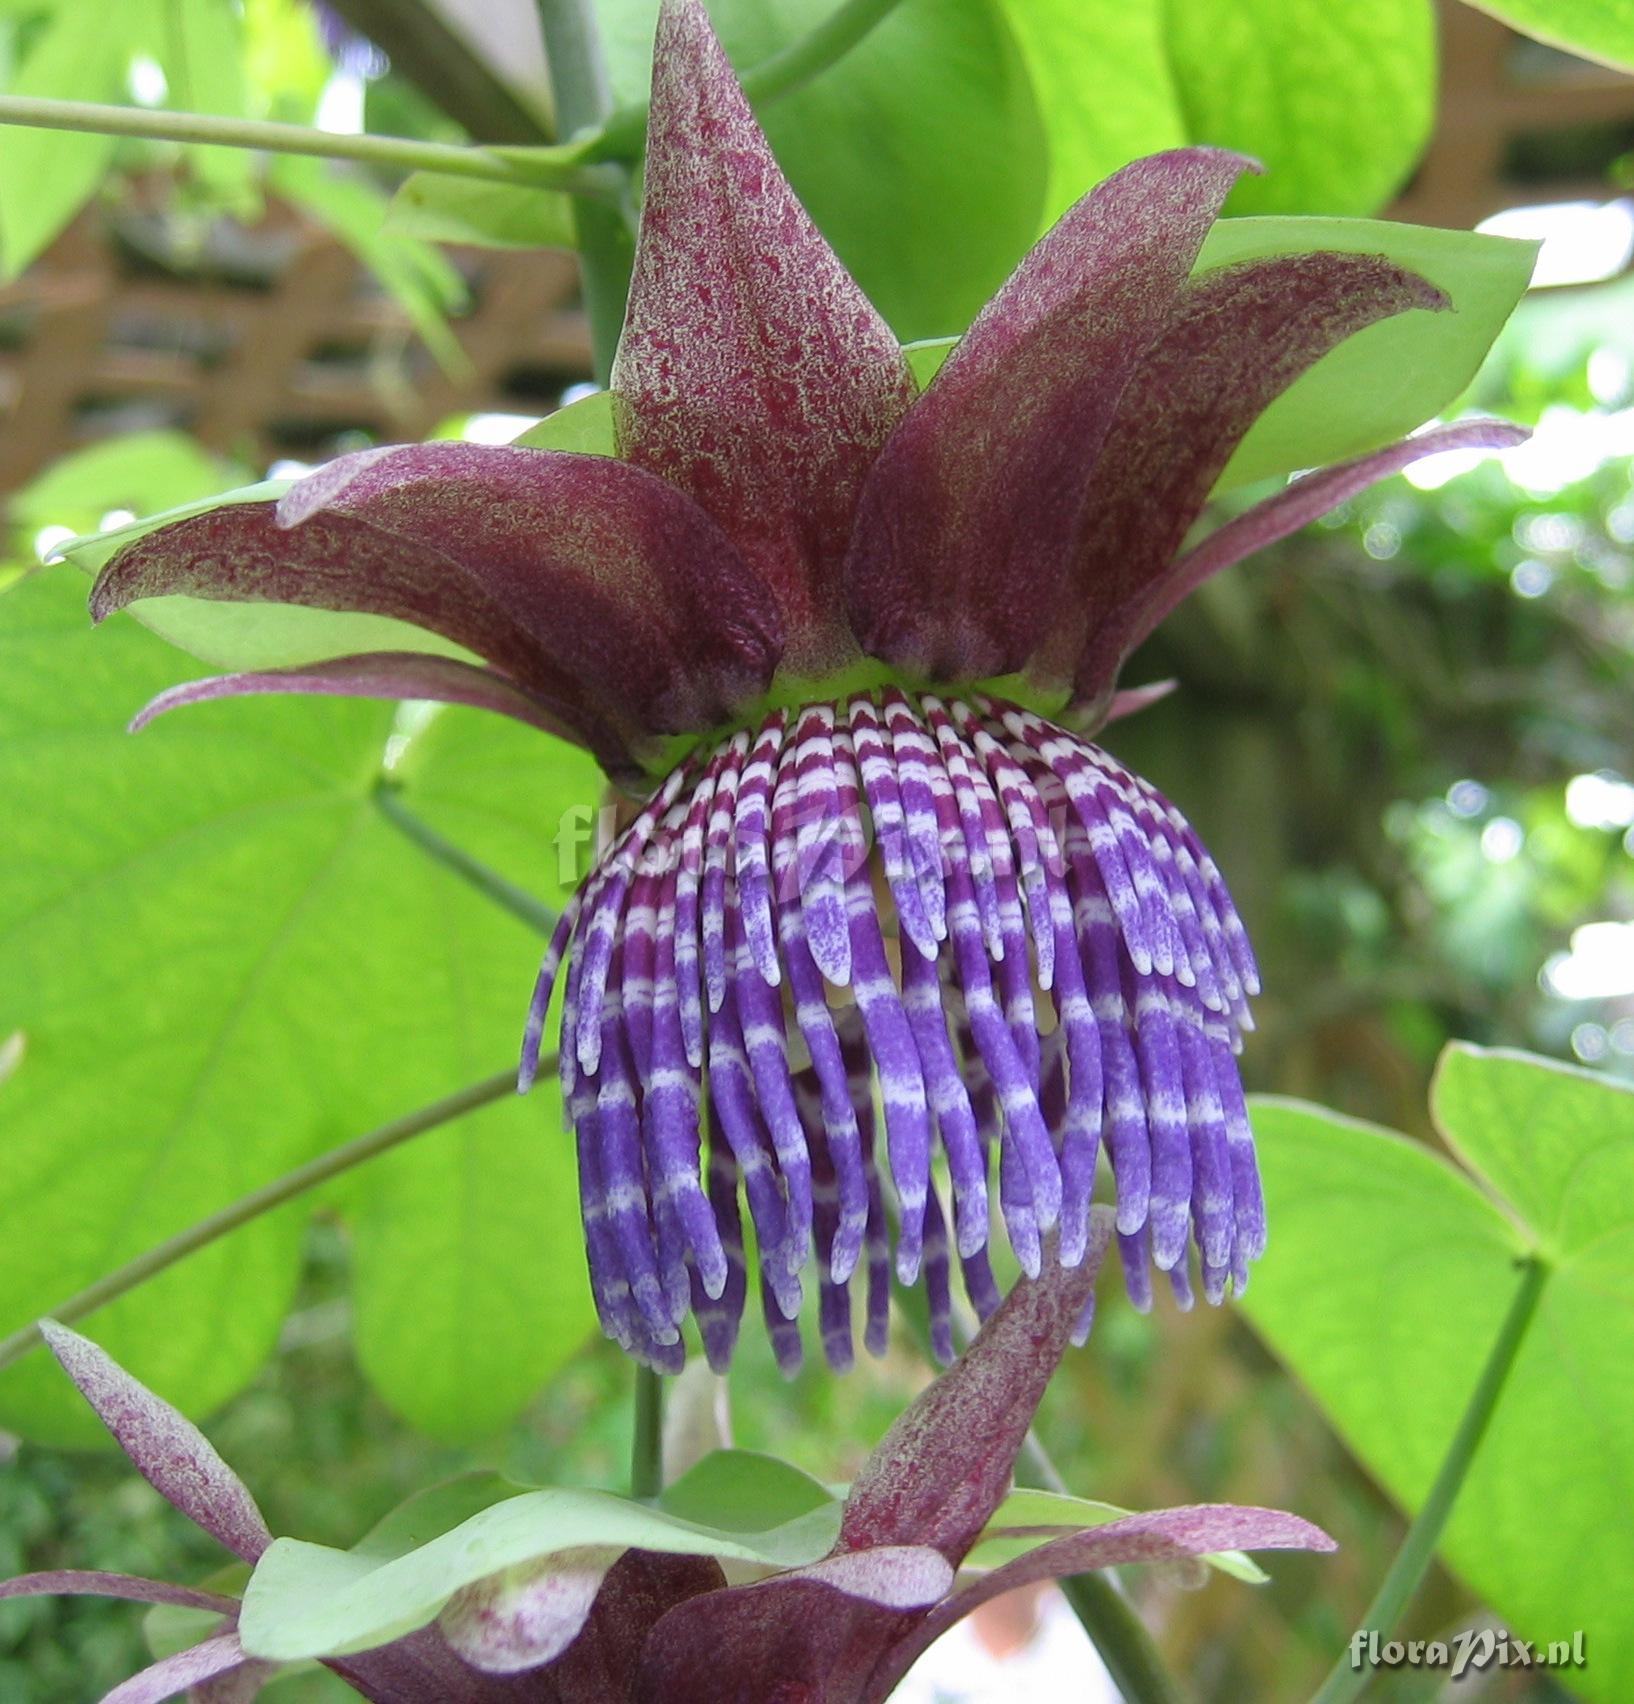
{"points": [[306, 1600]]}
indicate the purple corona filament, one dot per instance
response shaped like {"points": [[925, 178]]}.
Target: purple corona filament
{"points": [[933, 1070]]}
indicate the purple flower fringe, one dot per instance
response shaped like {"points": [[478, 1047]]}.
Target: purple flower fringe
{"points": [[950, 923]]}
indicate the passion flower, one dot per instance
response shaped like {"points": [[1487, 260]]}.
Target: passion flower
{"points": [[886, 908]]}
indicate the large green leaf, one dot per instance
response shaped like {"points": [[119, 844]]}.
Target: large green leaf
{"points": [[82, 53], [1335, 101], [1073, 52], [223, 960], [162, 469], [1597, 29], [745, 1491], [1389, 1274], [920, 153], [200, 44], [306, 1600], [1388, 379]]}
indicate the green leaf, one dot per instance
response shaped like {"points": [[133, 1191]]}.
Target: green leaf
{"points": [[82, 53], [305, 1600], [443, 209], [1596, 29], [1032, 1508], [1069, 48], [1386, 380], [920, 153], [200, 44], [745, 1491], [438, 1509], [585, 426], [1392, 377], [1336, 101], [1389, 1274], [167, 470], [224, 960], [1554, 1142]]}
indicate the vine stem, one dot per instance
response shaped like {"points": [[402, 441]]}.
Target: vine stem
{"points": [[1104, 1612], [647, 1445], [530, 168], [516, 900], [584, 99], [1349, 1675], [620, 137], [259, 1201]]}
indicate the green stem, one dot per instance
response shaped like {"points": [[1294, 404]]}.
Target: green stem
{"points": [[1349, 1676], [259, 1201], [1105, 1613], [791, 68], [536, 168], [647, 1446], [584, 98], [516, 900]]}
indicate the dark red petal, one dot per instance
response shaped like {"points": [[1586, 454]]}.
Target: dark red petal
{"points": [[589, 583], [946, 1464], [786, 1638], [87, 1582], [239, 554], [420, 1668], [597, 1668], [1134, 699], [164, 1446], [970, 520], [642, 1586], [400, 674], [173, 1675], [1165, 1535], [624, 585], [1298, 504], [1240, 337], [753, 373], [935, 1480]]}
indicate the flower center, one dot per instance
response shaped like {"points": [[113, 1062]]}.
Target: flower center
{"points": [[904, 937]]}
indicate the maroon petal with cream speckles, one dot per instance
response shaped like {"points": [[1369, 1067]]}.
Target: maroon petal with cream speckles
{"points": [[595, 587], [969, 520], [1238, 338], [753, 372], [393, 674]]}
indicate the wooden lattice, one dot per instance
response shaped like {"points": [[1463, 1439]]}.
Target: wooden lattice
{"points": [[272, 342], [1516, 124]]}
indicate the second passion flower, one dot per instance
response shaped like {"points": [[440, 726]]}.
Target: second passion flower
{"points": [[886, 909]]}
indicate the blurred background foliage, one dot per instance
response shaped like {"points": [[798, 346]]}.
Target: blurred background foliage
{"points": [[1405, 733]]}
